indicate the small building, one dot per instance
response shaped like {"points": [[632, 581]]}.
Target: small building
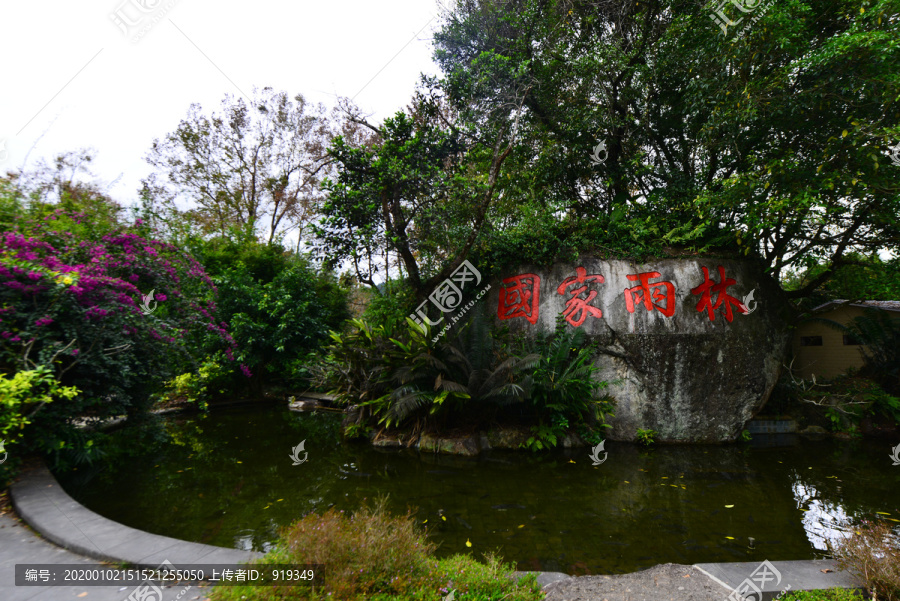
{"points": [[826, 352]]}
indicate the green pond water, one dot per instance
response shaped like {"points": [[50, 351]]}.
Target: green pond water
{"points": [[227, 479]]}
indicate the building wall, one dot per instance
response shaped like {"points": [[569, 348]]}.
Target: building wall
{"points": [[833, 357]]}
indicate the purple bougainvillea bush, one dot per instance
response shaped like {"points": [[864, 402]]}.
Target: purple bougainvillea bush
{"points": [[83, 307]]}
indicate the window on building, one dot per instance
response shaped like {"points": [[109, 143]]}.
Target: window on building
{"points": [[851, 341], [812, 341]]}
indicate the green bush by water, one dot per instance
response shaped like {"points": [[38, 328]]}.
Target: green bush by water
{"points": [[417, 378], [375, 556]]}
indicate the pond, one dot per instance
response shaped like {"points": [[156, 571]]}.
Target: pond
{"points": [[227, 479]]}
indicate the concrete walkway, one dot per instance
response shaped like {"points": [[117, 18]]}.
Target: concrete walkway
{"points": [[20, 545]]}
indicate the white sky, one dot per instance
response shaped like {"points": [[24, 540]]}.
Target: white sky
{"points": [[72, 79]]}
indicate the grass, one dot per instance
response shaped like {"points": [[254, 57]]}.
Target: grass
{"points": [[832, 594], [375, 556]]}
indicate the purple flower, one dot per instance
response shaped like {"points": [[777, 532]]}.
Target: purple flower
{"points": [[43, 321]]}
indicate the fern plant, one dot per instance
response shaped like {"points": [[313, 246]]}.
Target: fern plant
{"points": [[468, 370], [565, 388]]}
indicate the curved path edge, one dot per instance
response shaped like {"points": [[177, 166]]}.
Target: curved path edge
{"points": [[39, 500]]}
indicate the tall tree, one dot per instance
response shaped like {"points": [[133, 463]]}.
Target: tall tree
{"points": [[765, 137], [255, 167], [421, 188]]}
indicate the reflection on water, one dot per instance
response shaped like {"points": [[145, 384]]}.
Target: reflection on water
{"points": [[227, 479]]}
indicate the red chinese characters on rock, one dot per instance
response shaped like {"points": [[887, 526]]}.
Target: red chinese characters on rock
{"points": [[708, 287], [650, 294], [577, 308], [520, 297]]}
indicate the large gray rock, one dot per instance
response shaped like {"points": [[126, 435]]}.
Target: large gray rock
{"points": [[675, 364]]}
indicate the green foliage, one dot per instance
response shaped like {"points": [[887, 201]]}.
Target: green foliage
{"points": [[278, 309], [746, 436], [23, 395], [859, 277], [872, 551], [411, 374], [768, 143], [565, 389], [646, 437], [375, 556], [200, 386], [354, 367], [402, 190], [832, 594], [390, 305]]}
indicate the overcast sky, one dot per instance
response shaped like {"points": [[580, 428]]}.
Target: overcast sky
{"points": [[72, 78]]}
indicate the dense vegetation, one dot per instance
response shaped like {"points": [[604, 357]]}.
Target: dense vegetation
{"points": [[630, 129]]}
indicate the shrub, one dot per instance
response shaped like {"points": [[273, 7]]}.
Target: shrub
{"points": [[467, 378], [75, 306], [277, 322], [646, 437], [872, 551], [23, 395], [372, 555]]}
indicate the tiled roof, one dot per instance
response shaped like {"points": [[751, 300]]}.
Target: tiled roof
{"points": [[893, 305]]}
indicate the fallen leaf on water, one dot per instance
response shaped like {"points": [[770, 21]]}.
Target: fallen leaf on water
{"points": [[826, 570], [686, 576], [882, 513], [893, 520], [444, 518], [426, 521], [729, 506], [730, 537], [468, 543], [521, 525], [627, 482], [83, 595], [571, 461]]}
